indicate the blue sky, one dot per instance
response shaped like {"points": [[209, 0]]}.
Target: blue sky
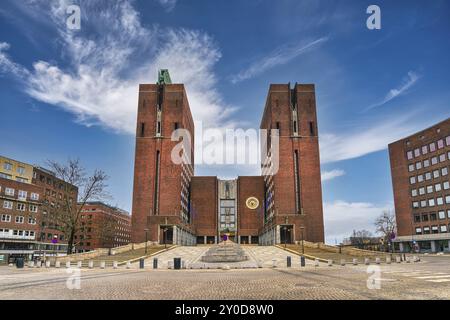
{"points": [[67, 93]]}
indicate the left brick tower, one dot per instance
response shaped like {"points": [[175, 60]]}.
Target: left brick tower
{"points": [[161, 190]]}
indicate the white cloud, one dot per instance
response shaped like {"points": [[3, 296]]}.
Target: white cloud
{"points": [[280, 56], [407, 83], [329, 175], [99, 81], [168, 5], [341, 218], [367, 138]]}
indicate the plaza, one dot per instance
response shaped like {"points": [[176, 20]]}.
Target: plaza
{"points": [[425, 280]]}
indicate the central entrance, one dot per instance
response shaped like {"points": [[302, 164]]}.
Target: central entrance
{"points": [[227, 215], [286, 234], [166, 234]]}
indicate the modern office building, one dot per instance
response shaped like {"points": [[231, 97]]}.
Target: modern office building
{"points": [[420, 167], [172, 205]]}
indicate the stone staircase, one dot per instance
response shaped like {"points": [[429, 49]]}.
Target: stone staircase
{"points": [[226, 251]]}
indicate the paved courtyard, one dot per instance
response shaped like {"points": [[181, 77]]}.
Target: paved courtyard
{"points": [[429, 279], [188, 255], [263, 256]]}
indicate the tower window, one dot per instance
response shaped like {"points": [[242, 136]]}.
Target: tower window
{"points": [[142, 129], [156, 191], [175, 125], [298, 204], [278, 125], [311, 128], [158, 128]]}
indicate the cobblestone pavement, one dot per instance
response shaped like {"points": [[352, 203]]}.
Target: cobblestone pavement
{"points": [[397, 281], [187, 254], [266, 255]]}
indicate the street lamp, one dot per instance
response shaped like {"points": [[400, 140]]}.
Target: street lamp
{"points": [[165, 235], [146, 239], [55, 241], [285, 235], [303, 245]]}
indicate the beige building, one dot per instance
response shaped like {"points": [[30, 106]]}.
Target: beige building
{"points": [[15, 170]]}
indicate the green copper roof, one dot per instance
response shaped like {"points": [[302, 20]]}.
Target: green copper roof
{"points": [[164, 77]]}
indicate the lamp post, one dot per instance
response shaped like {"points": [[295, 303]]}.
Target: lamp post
{"points": [[146, 239], [303, 245], [164, 237], [285, 235], [55, 241]]}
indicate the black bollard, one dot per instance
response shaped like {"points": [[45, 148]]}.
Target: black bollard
{"points": [[155, 263], [302, 261], [141, 263], [177, 263], [289, 262]]}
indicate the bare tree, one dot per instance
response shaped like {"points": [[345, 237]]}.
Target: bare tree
{"points": [[106, 231], [360, 237], [386, 225], [90, 188]]}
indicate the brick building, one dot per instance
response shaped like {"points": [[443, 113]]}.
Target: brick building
{"points": [[29, 200], [103, 226], [55, 192], [419, 166], [171, 205]]}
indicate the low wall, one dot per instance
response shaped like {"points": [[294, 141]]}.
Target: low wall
{"points": [[104, 251], [346, 250], [83, 255]]}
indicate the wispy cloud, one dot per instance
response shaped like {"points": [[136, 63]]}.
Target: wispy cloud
{"points": [[280, 56], [99, 81], [339, 214], [330, 175], [369, 137], [168, 5], [411, 78]]}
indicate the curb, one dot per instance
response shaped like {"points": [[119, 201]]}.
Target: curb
{"points": [[307, 256]]}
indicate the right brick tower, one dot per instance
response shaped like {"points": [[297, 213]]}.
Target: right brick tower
{"points": [[293, 193]]}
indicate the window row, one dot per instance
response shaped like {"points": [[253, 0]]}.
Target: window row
{"points": [[18, 219], [432, 147], [20, 194], [49, 236], [20, 206], [433, 216], [9, 167], [429, 175], [439, 201], [427, 162], [10, 177], [430, 189], [26, 233], [227, 225], [434, 229]]}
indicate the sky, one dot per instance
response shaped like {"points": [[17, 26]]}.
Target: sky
{"points": [[73, 93]]}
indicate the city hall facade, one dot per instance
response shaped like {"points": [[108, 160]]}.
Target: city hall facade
{"points": [[172, 205]]}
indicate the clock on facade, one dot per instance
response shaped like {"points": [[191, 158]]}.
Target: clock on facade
{"points": [[252, 203]]}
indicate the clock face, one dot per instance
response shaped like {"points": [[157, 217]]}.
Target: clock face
{"points": [[252, 203]]}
